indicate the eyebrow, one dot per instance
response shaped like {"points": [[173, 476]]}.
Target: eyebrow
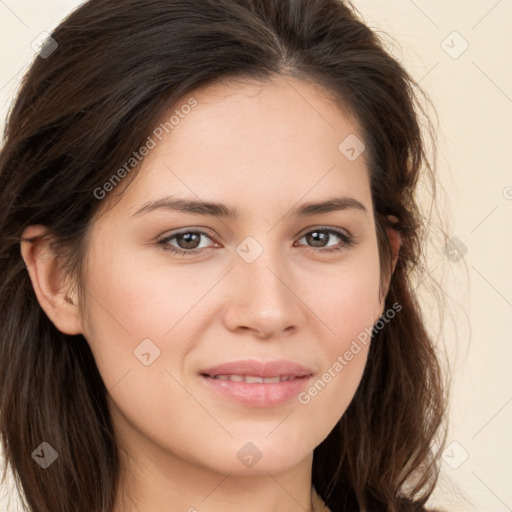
{"points": [[215, 209]]}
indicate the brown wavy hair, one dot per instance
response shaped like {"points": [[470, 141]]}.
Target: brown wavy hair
{"points": [[84, 109]]}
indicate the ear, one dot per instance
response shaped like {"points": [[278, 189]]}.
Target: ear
{"points": [[394, 240], [51, 286]]}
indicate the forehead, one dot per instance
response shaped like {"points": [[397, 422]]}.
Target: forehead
{"points": [[244, 142]]}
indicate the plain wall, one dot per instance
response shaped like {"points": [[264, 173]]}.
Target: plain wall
{"points": [[461, 54]]}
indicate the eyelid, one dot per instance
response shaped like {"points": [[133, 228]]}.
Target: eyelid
{"points": [[164, 239], [192, 229], [347, 241], [317, 227], [212, 234]]}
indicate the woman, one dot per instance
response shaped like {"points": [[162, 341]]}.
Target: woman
{"points": [[209, 231]]}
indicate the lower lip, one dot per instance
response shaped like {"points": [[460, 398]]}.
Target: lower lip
{"points": [[258, 394]]}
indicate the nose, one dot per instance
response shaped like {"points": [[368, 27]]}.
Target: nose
{"points": [[262, 298]]}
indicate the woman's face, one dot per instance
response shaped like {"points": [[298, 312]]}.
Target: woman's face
{"points": [[275, 289]]}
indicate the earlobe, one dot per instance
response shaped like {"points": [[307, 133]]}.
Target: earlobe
{"points": [[52, 289]]}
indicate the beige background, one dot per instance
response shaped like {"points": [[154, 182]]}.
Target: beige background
{"points": [[471, 89]]}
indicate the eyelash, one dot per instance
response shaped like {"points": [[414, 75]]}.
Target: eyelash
{"points": [[347, 242]]}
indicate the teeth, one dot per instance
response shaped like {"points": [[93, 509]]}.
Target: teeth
{"points": [[252, 379]]}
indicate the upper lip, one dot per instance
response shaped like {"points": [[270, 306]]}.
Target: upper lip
{"points": [[263, 369]]}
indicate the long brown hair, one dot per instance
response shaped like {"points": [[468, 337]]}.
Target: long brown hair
{"points": [[85, 106]]}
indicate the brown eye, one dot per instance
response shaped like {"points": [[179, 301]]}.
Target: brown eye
{"points": [[186, 242], [319, 238]]}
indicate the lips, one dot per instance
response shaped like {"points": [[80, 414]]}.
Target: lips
{"points": [[257, 384], [283, 370]]}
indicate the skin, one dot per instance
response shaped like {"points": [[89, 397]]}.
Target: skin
{"points": [[263, 149]]}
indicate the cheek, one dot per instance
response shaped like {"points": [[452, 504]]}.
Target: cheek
{"points": [[345, 298], [130, 302], [125, 305], [348, 304], [139, 297]]}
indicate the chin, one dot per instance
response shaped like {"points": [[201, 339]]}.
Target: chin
{"points": [[260, 457]]}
